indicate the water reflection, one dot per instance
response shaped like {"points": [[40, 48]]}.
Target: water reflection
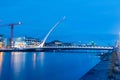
{"points": [[45, 66], [38, 57], [42, 58], [17, 61], [34, 60], [1, 61]]}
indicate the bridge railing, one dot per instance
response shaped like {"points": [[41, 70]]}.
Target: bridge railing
{"points": [[101, 47]]}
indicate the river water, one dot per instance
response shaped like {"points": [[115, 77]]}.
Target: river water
{"points": [[45, 65]]}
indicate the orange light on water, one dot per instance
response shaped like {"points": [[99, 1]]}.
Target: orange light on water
{"points": [[1, 60]]}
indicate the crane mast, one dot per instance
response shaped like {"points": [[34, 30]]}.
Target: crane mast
{"points": [[11, 25]]}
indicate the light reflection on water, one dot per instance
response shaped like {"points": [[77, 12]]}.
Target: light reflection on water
{"points": [[1, 60], [17, 62], [34, 60], [42, 59], [45, 66]]}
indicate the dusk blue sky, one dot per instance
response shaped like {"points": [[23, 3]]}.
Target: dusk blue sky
{"points": [[83, 17]]}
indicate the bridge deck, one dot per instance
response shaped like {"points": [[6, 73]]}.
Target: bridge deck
{"points": [[50, 48]]}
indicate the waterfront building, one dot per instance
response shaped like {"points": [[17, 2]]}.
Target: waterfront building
{"points": [[23, 42], [19, 42], [91, 43], [58, 43], [54, 43], [32, 42], [2, 41]]}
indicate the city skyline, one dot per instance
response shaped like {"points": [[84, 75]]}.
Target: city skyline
{"points": [[59, 39], [82, 17]]}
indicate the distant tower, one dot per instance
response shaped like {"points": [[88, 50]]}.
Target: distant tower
{"points": [[118, 41], [118, 49], [119, 36]]}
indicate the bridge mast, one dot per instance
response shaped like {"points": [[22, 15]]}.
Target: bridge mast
{"points": [[44, 40]]}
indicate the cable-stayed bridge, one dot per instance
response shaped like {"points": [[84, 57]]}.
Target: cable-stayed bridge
{"points": [[41, 46]]}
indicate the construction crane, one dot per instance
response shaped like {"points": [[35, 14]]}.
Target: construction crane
{"points": [[11, 25]]}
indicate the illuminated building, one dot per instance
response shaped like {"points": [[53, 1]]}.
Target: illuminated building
{"points": [[19, 43], [23, 42], [32, 42], [2, 42]]}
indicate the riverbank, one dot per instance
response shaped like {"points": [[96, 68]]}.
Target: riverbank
{"points": [[101, 71]]}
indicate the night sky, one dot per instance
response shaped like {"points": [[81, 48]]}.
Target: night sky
{"points": [[83, 17]]}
